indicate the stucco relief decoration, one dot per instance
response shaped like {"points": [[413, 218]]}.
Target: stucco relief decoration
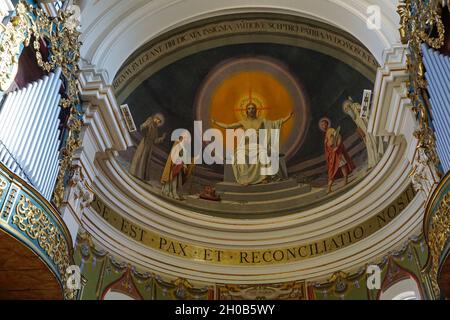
{"points": [[13, 36], [438, 236], [36, 224], [82, 193]]}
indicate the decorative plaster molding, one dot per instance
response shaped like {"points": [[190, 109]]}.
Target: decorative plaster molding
{"points": [[95, 91], [82, 194]]}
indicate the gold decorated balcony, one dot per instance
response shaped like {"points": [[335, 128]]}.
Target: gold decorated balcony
{"points": [[35, 245]]}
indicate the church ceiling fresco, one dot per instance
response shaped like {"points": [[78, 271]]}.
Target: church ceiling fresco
{"points": [[264, 83]]}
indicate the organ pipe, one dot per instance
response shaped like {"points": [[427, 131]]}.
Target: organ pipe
{"points": [[29, 134], [438, 77]]}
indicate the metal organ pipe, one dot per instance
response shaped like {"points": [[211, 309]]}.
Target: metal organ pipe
{"points": [[51, 156], [441, 107], [445, 66], [5, 112], [6, 108], [50, 144], [15, 125], [53, 163], [41, 129], [37, 114], [11, 129], [434, 85], [29, 122], [23, 124], [39, 158], [439, 62], [438, 115], [438, 76], [38, 129], [39, 155], [11, 118], [30, 119], [51, 178]]}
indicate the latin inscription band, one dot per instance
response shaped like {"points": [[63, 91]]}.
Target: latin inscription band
{"points": [[256, 256]]}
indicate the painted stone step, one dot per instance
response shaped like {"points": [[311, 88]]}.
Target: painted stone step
{"points": [[260, 209], [268, 187], [248, 197]]}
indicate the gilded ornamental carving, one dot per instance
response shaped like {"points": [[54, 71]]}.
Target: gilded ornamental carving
{"points": [[438, 235], [34, 222], [421, 22]]}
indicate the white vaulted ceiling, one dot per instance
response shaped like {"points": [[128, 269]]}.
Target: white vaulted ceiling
{"points": [[114, 29]]}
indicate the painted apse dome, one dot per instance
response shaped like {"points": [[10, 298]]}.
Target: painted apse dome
{"points": [[282, 78]]}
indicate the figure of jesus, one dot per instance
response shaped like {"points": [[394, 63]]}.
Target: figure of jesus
{"points": [[249, 173]]}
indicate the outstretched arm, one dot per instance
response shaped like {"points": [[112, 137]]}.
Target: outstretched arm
{"points": [[287, 118], [226, 126]]}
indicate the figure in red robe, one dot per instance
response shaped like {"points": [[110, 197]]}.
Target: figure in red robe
{"points": [[176, 174], [339, 163]]}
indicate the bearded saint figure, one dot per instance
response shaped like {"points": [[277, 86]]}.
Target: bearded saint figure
{"points": [[141, 163]]}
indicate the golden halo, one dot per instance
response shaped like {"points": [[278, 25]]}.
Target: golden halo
{"points": [[245, 102], [263, 81], [324, 119]]}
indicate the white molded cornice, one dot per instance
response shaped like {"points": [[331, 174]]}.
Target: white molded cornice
{"points": [[391, 109], [98, 96], [371, 250]]}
